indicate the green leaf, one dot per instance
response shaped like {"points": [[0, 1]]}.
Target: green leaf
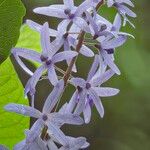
{"points": [[29, 39], [11, 15], [11, 90]]}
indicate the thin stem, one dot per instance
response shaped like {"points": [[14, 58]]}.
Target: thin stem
{"points": [[69, 69]]}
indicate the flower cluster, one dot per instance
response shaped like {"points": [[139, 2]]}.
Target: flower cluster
{"points": [[80, 27]]}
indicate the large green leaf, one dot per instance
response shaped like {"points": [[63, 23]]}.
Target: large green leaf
{"points": [[11, 14], [11, 90]]}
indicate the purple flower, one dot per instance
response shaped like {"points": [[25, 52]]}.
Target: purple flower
{"points": [[46, 117], [88, 92], [32, 140], [64, 38], [2, 147], [107, 48], [123, 9], [67, 11], [47, 59]]}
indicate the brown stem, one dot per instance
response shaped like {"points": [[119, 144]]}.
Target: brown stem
{"points": [[69, 69]]}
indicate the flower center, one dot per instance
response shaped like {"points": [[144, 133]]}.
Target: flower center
{"points": [[44, 117], [65, 35], [110, 51], [48, 62], [103, 27], [68, 12], [88, 85], [79, 89], [43, 58]]}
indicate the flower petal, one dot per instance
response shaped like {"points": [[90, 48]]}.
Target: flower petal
{"points": [[105, 92], [31, 84], [45, 39], [53, 98], [52, 76], [81, 104], [57, 133], [86, 51], [78, 82], [22, 109], [81, 23], [37, 27], [53, 11], [64, 56], [87, 113], [97, 102], [27, 54], [93, 68], [72, 103], [115, 42], [66, 119], [109, 61], [102, 78]]}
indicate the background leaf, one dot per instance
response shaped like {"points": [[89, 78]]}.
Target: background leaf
{"points": [[11, 14], [11, 90]]}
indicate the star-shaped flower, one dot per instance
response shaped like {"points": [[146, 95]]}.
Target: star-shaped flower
{"points": [[47, 117], [67, 11], [123, 9], [47, 58], [88, 92], [64, 38]]}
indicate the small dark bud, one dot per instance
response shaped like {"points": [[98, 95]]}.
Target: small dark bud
{"points": [[65, 35], [110, 51], [103, 27], [48, 62], [88, 85], [43, 58], [44, 117], [67, 11], [95, 37], [79, 89]]}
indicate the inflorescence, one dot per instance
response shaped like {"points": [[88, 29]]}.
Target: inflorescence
{"points": [[78, 23]]}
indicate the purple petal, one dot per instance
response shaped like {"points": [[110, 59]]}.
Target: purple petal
{"points": [[22, 109], [57, 133], [105, 92], [45, 39], [62, 27], [87, 113], [78, 82], [72, 103], [109, 61], [64, 56], [37, 27], [23, 66], [97, 102], [115, 42], [81, 23], [102, 78], [35, 131], [81, 104], [69, 3], [110, 3], [86, 51], [30, 86], [52, 76], [27, 54], [117, 22], [66, 119], [53, 98], [53, 11], [93, 68]]}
